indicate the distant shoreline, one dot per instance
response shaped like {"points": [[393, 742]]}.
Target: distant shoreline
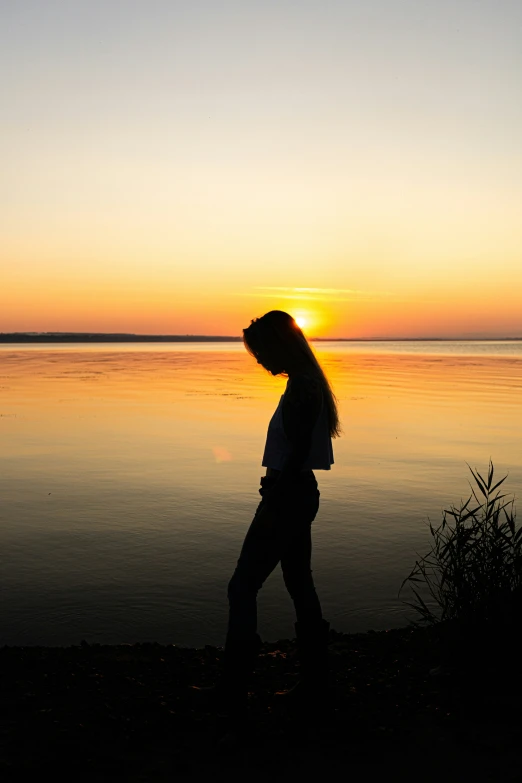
{"points": [[93, 337]]}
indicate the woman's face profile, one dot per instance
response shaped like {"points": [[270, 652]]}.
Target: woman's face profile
{"points": [[270, 362], [266, 349], [270, 365]]}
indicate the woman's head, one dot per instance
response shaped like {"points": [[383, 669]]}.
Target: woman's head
{"points": [[276, 342]]}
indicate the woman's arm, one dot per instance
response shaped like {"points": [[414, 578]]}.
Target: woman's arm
{"points": [[301, 408]]}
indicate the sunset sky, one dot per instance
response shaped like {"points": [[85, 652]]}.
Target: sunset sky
{"points": [[181, 167]]}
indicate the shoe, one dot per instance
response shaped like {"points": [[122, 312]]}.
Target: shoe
{"points": [[313, 686], [230, 693]]}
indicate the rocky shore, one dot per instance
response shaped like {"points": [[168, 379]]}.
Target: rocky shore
{"points": [[95, 712]]}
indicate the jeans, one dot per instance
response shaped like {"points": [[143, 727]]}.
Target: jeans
{"points": [[285, 537]]}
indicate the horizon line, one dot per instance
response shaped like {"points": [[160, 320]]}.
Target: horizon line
{"points": [[7, 337]]}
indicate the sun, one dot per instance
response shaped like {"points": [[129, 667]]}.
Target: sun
{"points": [[308, 320]]}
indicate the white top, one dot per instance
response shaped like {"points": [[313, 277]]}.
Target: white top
{"points": [[278, 447]]}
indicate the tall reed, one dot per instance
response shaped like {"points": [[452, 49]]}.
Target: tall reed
{"points": [[472, 574]]}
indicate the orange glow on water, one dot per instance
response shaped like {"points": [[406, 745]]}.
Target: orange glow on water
{"points": [[148, 458]]}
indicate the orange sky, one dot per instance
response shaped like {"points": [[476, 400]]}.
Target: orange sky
{"points": [[180, 170]]}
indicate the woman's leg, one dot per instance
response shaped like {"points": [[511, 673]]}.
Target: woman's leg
{"points": [[260, 554], [258, 558], [266, 542], [296, 566], [311, 630]]}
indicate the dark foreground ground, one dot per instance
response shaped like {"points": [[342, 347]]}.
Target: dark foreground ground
{"points": [[109, 713]]}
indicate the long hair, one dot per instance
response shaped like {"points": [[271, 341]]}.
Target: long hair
{"points": [[277, 335]]}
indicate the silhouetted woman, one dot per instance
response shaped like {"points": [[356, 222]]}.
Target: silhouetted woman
{"points": [[299, 441]]}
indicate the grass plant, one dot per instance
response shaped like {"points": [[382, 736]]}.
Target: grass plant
{"points": [[472, 575]]}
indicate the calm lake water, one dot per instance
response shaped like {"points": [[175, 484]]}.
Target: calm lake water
{"points": [[129, 475]]}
